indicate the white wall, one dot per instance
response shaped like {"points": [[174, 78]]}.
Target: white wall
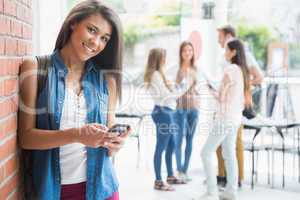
{"points": [[47, 20]]}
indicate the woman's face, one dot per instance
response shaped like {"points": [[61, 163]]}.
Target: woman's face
{"points": [[163, 60], [229, 54], [187, 53], [90, 36]]}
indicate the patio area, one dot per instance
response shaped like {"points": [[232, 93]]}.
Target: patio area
{"points": [[137, 182]]}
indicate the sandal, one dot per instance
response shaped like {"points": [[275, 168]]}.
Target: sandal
{"points": [[160, 185], [173, 180]]}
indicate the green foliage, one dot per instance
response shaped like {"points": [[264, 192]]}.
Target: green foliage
{"points": [[294, 56], [172, 16], [132, 34], [258, 38], [146, 26], [169, 20]]}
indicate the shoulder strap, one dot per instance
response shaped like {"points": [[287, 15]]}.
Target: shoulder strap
{"points": [[44, 62]]}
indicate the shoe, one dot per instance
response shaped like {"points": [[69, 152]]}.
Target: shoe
{"points": [[226, 195], [207, 197], [187, 178], [184, 176], [221, 181], [240, 184], [172, 180], [160, 185]]}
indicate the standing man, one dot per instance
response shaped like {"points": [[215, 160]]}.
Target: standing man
{"points": [[225, 35]]}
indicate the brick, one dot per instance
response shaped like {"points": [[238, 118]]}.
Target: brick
{"points": [[10, 47], [8, 106], [9, 187], [2, 46], [1, 6], [9, 66], [8, 126], [10, 7], [8, 87], [8, 148], [29, 49], [21, 48], [4, 26], [16, 28], [26, 32], [27, 16], [8, 168], [20, 12]]}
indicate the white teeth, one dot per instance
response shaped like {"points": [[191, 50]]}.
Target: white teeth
{"points": [[88, 48]]}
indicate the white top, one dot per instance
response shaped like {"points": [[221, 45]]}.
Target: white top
{"points": [[73, 156], [232, 107], [162, 96]]}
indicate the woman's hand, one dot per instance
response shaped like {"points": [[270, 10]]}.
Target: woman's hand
{"points": [[92, 135], [115, 143]]}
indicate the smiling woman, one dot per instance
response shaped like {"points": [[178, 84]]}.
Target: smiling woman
{"points": [[70, 142]]}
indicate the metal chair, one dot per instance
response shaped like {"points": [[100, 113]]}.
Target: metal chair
{"points": [[135, 133], [252, 148], [283, 148]]}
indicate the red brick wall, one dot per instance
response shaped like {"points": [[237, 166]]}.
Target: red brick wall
{"points": [[15, 44]]}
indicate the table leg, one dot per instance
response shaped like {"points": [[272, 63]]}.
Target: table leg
{"points": [[273, 158]]}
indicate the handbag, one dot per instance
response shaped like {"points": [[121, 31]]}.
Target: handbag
{"points": [[249, 112]]}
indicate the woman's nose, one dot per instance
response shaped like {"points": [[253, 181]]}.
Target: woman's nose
{"points": [[97, 43]]}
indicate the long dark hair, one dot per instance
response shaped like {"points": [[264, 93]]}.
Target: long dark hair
{"points": [[240, 60], [182, 45], [111, 57]]}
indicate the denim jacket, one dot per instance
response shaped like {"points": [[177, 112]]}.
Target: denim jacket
{"points": [[101, 180]]}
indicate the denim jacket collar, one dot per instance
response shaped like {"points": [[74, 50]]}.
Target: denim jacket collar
{"points": [[62, 68]]}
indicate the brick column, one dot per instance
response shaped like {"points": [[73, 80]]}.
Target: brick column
{"points": [[15, 44]]}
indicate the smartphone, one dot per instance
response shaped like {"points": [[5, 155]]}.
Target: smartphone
{"points": [[211, 87], [119, 129]]}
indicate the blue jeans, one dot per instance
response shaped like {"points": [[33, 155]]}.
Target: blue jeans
{"points": [[187, 120], [166, 128]]}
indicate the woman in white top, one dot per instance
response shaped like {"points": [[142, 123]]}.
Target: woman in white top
{"points": [[233, 95], [163, 115]]}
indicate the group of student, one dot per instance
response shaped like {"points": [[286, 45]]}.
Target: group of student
{"points": [[176, 111]]}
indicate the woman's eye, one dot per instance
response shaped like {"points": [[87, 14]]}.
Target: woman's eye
{"points": [[91, 30], [105, 39]]}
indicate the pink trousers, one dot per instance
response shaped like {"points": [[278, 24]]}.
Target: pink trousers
{"points": [[77, 192]]}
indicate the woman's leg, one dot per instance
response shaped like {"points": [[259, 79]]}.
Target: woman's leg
{"points": [[192, 120], [230, 159], [169, 155], [181, 122], [215, 138], [240, 153], [161, 120]]}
